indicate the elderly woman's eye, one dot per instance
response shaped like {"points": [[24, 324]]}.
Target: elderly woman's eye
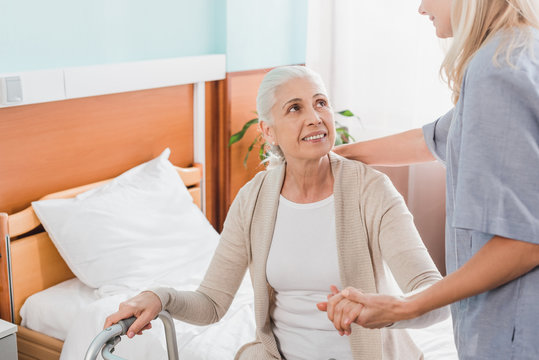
{"points": [[293, 108], [321, 103]]}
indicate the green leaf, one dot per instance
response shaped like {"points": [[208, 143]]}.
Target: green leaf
{"points": [[256, 140], [262, 152], [239, 135], [343, 136], [245, 159], [346, 113]]}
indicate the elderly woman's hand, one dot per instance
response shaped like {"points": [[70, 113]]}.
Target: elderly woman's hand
{"points": [[145, 307], [340, 311]]}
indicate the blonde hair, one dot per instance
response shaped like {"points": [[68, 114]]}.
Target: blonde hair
{"points": [[475, 22]]}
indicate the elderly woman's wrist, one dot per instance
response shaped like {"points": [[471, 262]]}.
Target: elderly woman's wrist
{"points": [[161, 294]]}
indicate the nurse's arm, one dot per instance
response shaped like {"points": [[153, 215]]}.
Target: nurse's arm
{"points": [[405, 148], [499, 261]]}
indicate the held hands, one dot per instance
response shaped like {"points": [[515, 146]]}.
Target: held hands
{"points": [[340, 310], [145, 307], [368, 310]]}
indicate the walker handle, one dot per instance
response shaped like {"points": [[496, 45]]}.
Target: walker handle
{"points": [[109, 334], [108, 338], [126, 324]]}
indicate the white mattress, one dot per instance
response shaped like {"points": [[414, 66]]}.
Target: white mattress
{"points": [[72, 312]]}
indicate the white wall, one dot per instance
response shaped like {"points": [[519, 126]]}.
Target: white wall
{"points": [[381, 60]]}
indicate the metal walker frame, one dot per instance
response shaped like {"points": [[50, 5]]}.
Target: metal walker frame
{"points": [[107, 339]]}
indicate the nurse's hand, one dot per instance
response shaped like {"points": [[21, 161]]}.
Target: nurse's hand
{"points": [[145, 307], [378, 310], [344, 150]]}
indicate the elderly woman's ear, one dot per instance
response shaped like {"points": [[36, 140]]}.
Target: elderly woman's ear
{"points": [[267, 132]]}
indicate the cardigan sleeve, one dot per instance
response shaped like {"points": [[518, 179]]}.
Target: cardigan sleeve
{"points": [[209, 303], [400, 244], [403, 250]]}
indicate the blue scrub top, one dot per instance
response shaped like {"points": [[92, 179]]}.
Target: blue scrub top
{"points": [[490, 145]]}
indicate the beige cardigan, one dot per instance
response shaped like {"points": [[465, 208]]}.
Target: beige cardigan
{"points": [[373, 224]]}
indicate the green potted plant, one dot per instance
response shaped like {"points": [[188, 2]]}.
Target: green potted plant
{"points": [[343, 137]]}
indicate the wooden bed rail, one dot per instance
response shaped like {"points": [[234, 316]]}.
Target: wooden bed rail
{"points": [[35, 262]]}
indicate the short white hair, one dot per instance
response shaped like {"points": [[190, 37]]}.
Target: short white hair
{"points": [[265, 99]]}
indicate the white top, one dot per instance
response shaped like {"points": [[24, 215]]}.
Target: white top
{"points": [[302, 264], [7, 328]]}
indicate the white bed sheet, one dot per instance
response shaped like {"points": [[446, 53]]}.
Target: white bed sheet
{"points": [[75, 313], [72, 312]]}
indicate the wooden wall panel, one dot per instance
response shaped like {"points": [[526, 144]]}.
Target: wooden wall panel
{"points": [[57, 145], [242, 89], [426, 200]]}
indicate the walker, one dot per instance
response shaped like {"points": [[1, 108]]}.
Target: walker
{"points": [[107, 339]]}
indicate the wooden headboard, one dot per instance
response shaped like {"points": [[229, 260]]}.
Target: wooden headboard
{"points": [[59, 145], [49, 147], [36, 264]]}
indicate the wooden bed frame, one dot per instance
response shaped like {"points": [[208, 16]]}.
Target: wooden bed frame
{"points": [[36, 264]]}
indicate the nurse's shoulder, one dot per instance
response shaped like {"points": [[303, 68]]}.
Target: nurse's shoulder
{"points": [[492, 59]]}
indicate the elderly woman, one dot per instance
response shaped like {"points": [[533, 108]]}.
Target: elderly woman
{"points": [[313, 221]]}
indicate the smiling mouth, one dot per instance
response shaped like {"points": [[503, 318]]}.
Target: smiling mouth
{"points": [[314, 137]]}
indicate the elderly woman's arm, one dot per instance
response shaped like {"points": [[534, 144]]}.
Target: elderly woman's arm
{"points": [[393, 232], [403, 250]]}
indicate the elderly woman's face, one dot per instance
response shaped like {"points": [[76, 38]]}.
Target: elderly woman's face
{"points": [[303, 124]]}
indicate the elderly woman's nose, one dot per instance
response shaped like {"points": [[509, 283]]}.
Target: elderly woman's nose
{"points": [[313, 117]]}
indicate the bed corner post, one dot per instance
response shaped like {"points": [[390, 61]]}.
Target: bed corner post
{"points": [[6, 293], [199, 129]]}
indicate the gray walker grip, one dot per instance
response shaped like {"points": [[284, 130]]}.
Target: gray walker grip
{"points": [[107, 339], [126, 324]]}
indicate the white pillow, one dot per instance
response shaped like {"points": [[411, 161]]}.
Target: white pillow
{"points": [[130, 231]]}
